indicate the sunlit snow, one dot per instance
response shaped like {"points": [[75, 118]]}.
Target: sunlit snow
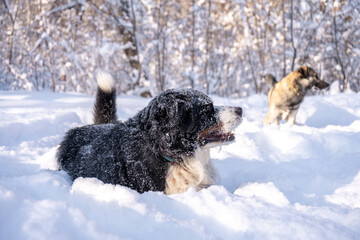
{"points": [[274, 182]]}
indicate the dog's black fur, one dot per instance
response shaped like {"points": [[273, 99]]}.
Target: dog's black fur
{"points": [[105, 106], [136, 153]]}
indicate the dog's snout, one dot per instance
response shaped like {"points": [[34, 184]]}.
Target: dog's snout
{"points": [[229, 112], [321, 84], [238, 111]]}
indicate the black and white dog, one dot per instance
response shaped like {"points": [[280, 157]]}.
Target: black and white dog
{"points": [[165, 147]]}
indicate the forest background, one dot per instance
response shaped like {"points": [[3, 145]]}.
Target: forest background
{"points": [[221, 47]]}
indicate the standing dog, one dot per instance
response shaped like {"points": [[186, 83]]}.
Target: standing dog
{"points": [[165, 147], [285, 96]]}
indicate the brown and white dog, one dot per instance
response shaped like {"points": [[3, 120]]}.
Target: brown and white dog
{"points": [[285, 96]]}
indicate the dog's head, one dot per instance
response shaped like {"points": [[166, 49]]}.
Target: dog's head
{"points": [[180, 121], [312, 78]]}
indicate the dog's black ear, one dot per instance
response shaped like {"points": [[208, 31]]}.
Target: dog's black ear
{"points": [[186, 118], [312, 73], [303, 70], [161, 115]]}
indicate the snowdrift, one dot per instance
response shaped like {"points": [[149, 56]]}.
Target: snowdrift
{"points": [[274, 182]]}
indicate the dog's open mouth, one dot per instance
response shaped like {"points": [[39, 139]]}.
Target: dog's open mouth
{"points": [[219, 137], [215, 135]]}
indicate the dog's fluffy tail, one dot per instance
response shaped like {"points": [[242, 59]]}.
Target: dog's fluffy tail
{"points": [[270, 79], [105, 103]]}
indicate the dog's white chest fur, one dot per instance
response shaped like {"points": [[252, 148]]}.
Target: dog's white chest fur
{"points": [[197, 172]]}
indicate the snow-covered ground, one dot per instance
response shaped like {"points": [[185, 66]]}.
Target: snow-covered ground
{"points": [[275, 182]]}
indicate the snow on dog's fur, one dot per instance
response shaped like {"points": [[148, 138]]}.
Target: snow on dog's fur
{"points": [[165, 147]]}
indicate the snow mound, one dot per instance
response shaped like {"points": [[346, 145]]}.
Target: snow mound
{"points": [[266, 192], [107, 193], [348, 195]]}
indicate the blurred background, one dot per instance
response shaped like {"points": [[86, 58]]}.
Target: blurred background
{"points": [[221, 47]]}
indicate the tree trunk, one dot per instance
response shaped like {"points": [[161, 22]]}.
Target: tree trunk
{"points": [[13, 20], [160, 49], [292, 36], [136, 62], [284, 34], [342, 86], [208, 36], [252, 70], [193, 21]]}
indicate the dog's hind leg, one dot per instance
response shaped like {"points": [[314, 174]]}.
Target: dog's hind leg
{"points": [[105, 103]]}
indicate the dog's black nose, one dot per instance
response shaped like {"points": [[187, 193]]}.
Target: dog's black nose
{"points": [[238, 111]]}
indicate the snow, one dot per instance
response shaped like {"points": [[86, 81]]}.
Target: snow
{"points": [[275, 182]]}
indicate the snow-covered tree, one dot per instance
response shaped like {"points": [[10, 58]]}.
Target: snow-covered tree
{"points": [[217, 46]]}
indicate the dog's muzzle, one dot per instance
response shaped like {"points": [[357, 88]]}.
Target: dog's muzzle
{"points": [[228, 119], [321, 84]]}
